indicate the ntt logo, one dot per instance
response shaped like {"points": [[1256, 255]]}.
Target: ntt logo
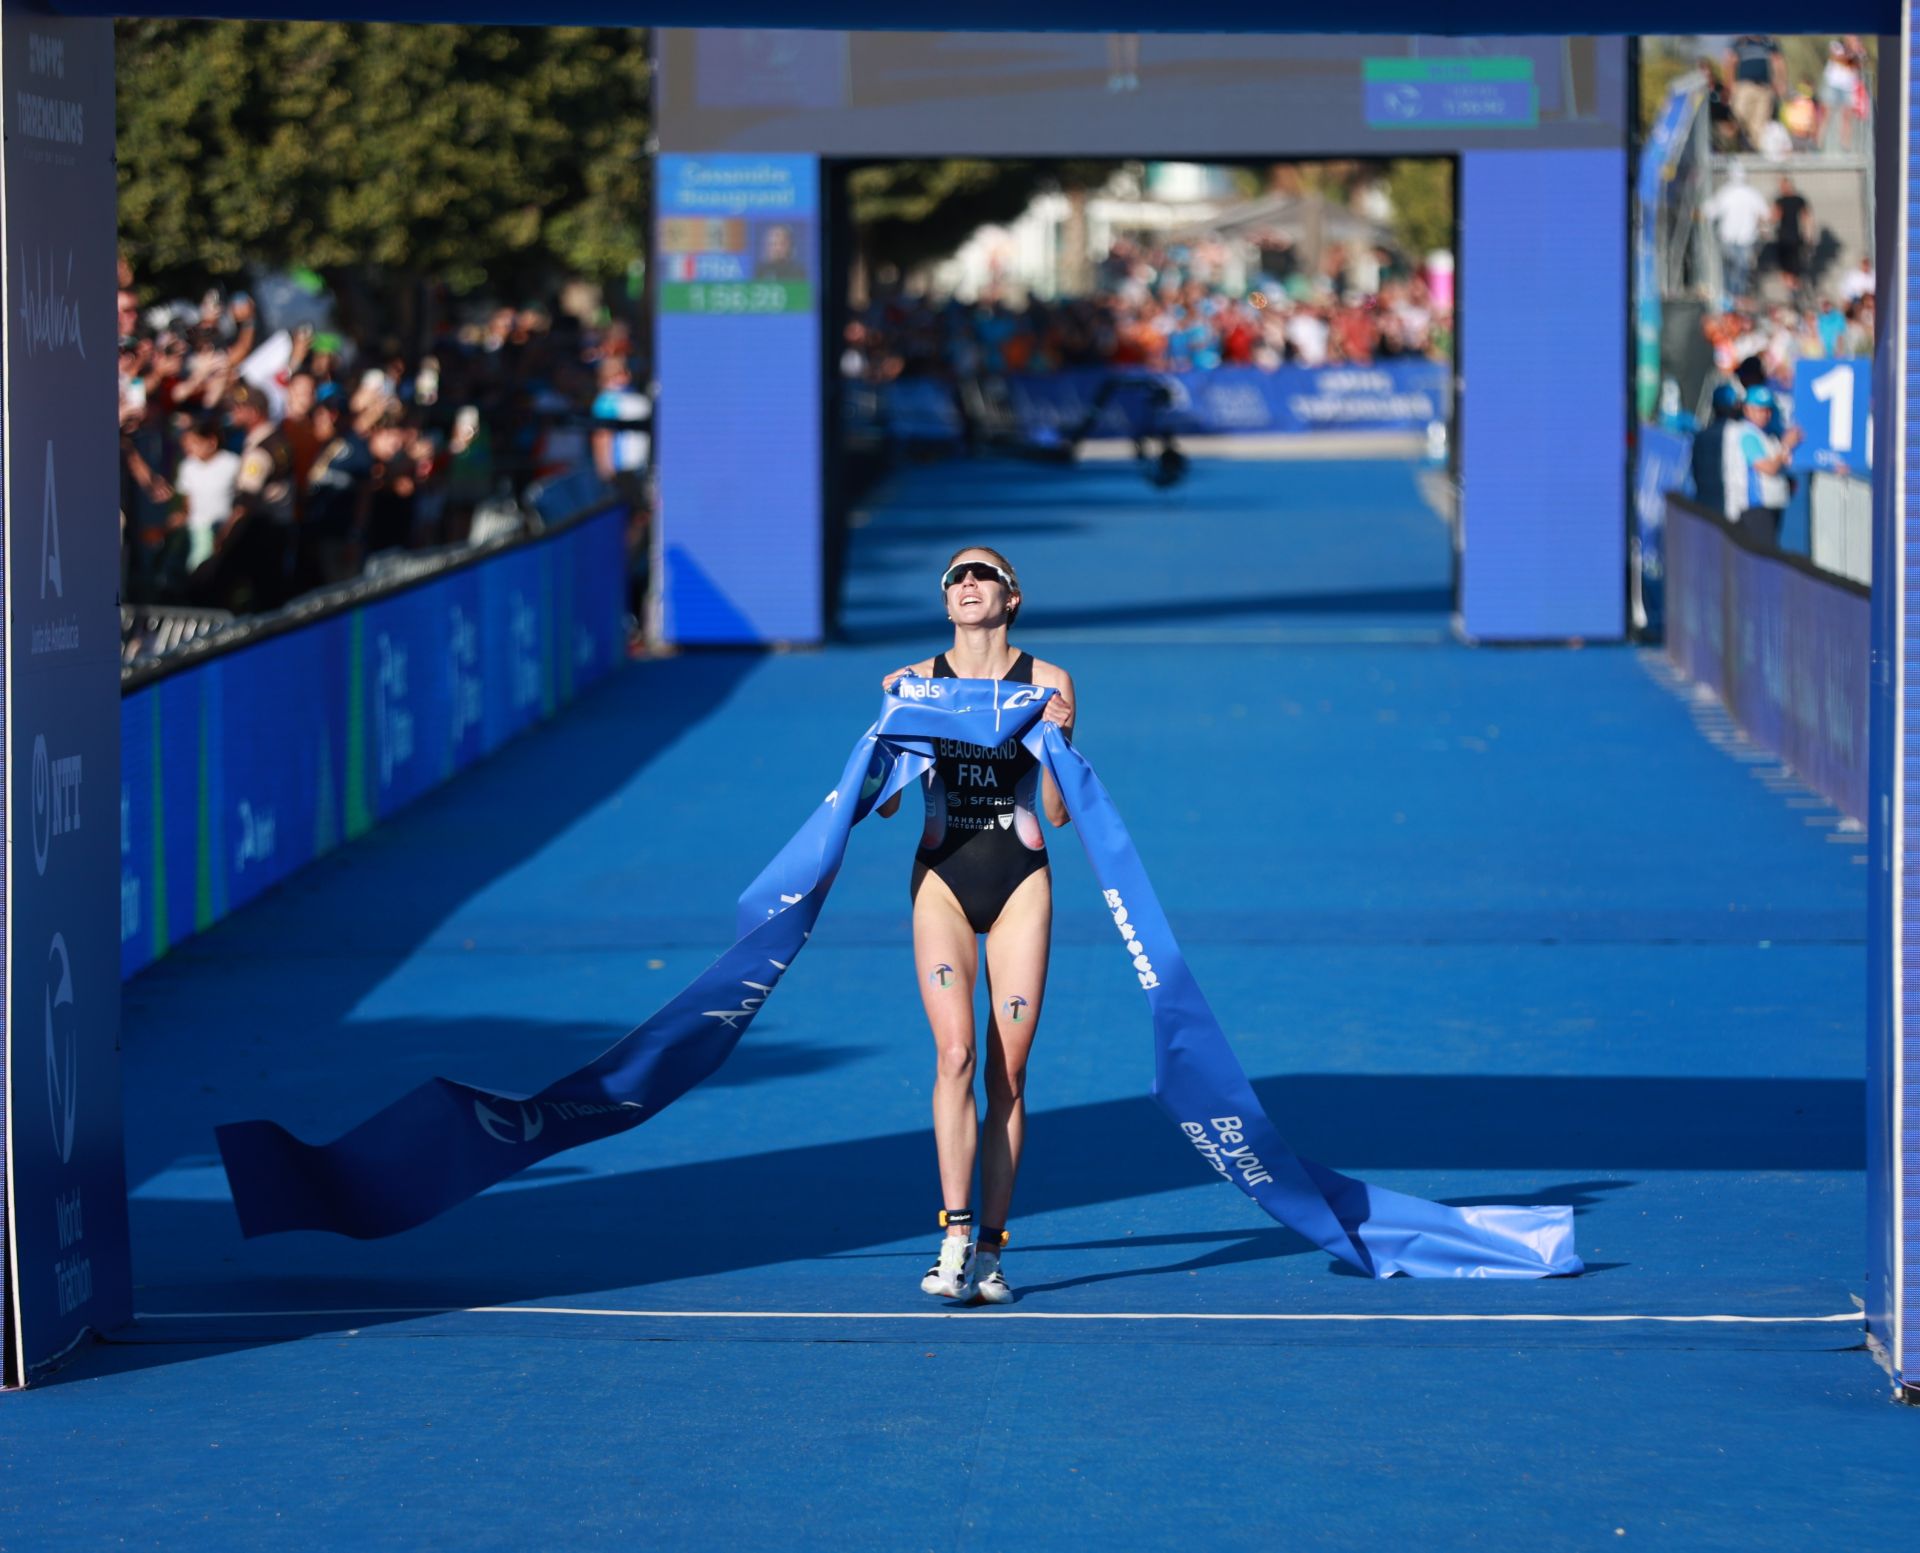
{"points": [[56, 799]]}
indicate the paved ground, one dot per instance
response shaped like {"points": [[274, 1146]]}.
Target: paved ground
{"points": [[1484, 925]]}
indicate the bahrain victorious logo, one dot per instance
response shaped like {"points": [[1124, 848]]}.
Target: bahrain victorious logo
{"points": [[522, 1127]]}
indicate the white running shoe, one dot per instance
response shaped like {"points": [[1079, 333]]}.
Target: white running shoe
{"points": [[952, 1276], [989, 1280]]}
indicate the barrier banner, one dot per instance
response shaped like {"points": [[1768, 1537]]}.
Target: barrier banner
{"points": [[1664, 464], [1787, 651], [446, 1141], [1659, 154], [1227, 401], [228, 784], [65, 1175]]}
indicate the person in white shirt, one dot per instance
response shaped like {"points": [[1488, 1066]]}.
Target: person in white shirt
{"points": [[1308, 333], [1839, 88], [1738, 212], [207, 477], [1858, 283]]}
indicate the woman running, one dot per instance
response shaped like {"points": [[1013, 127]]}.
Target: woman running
{"points": [[982, 868]]}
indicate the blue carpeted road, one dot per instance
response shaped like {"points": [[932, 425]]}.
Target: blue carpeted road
{"points": [[1485, 925]]}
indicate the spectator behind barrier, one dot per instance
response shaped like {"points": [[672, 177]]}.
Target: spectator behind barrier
{"points": [[1757, 468], [295, 409], [1711, 452]]}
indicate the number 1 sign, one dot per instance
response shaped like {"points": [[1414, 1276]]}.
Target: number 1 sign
{"points": [[1831, 406]]}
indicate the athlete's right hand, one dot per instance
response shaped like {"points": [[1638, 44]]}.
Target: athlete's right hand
{"points": [[887, 683]]}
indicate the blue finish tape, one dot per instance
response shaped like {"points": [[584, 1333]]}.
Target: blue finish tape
{"points": [[445, 1141]]}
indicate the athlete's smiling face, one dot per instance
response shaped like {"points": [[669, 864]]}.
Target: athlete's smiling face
{"points": [[977, 593]]}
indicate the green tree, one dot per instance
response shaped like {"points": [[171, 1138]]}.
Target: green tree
{"points": [[908, 213], [1422, 192], [1662, 62], [472, 155]]}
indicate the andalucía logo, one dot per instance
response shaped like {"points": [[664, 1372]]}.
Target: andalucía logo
{"points": [[49, 305], [50, 532], [63, 1049], [61, 634]]}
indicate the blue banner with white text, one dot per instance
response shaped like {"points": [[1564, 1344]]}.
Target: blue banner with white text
{"points": [[1240, 401], [1663, 465], [229, 783], [1833, 407], [445, 1141]]}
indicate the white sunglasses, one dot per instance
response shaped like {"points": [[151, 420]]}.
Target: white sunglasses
{"points": [[980, 571]]}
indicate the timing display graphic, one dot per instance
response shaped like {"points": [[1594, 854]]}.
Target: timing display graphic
{"points": [[1150, 94], [737, 235]]}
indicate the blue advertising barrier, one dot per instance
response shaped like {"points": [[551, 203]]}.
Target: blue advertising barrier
{"points": [[1663, 465], [1229, 401], [1221, 402], [1784, 648], [239, 771], [919, 411]]}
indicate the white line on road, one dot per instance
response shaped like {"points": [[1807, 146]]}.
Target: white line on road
{"points": [[1299, 1317]]}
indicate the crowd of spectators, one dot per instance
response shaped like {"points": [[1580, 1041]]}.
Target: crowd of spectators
{"points": [[1754, 106], [1760, 236], [1743, 448], [257, 463], [1168, 308], [1760, 342]]}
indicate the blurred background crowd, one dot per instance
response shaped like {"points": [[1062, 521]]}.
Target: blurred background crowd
{"points": [[1756, 201], [1170, 266], [1166, 308], [1760, 100], [265, 452]]}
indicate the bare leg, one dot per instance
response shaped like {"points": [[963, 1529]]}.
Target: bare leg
{"points": [[1017, 980], [946, 955]]}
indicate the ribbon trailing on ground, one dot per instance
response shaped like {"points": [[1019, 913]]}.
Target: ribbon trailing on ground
{"points": [[445, 1141]]}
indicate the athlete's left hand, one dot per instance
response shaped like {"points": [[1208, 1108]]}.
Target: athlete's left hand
{"points": [[1058, 709]]}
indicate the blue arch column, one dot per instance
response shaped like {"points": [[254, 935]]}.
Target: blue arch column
{"points": [[65, 1201], [1893, 1056]]}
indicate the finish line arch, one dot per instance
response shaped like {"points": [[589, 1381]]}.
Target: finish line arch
{"points": [[67, 1269]]}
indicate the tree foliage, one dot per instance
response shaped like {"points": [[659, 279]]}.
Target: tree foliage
{"points": [[472, 155], [1421, 189], [908, 213]]}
